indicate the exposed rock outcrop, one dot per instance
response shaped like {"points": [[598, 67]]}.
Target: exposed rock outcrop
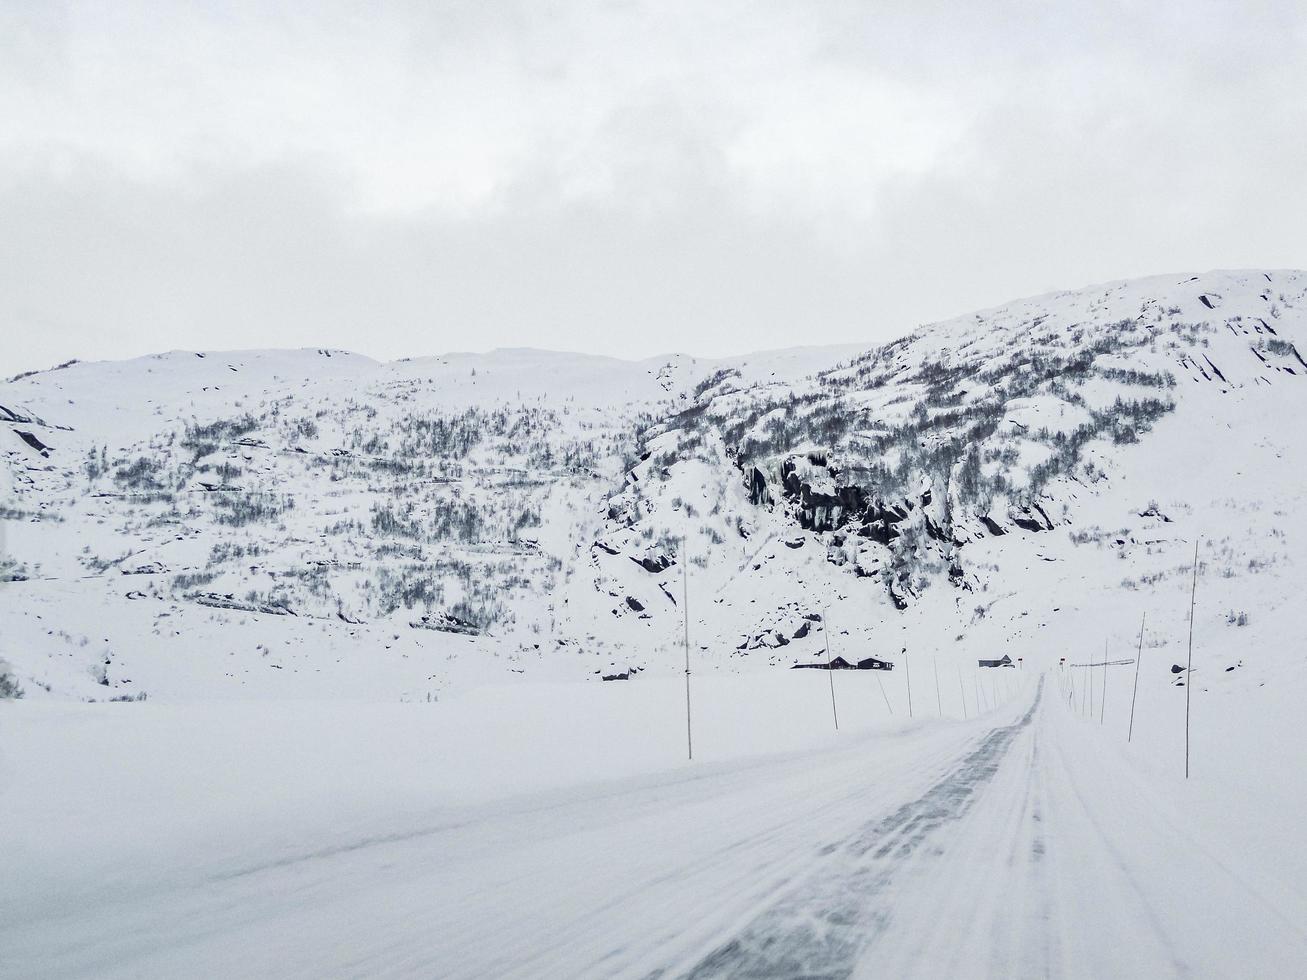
{"points": [[445, 623], [229, 601], [654, 563]]}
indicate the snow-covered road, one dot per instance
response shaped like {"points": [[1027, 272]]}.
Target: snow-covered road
{"points": [[1020, 844]]}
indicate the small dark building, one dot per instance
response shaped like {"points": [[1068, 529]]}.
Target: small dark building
{"points": [[839, 663], [872, 663], [1005, 661]]}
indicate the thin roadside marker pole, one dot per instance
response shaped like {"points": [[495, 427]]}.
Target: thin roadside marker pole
{"points": [[939, 704], [830, 670], [1089, 679], [1189, 672], [907, 669], [963, 691], [881, 682], [685, 606], [1138, 659], [1102, 702]]}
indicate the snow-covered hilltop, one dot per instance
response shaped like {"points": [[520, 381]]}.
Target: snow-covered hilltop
{"points": [[205, 524]]}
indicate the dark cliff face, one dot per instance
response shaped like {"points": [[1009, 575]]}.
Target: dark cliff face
{"points": [[848, 507], [818, 511], [903, 525]]}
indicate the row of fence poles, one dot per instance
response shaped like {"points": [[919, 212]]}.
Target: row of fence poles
{"points": [[989, 703], [1090, 702], [1068, 675]]}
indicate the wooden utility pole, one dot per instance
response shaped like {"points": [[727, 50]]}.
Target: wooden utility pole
{"points": [[830, 670], [1189, 671], [1138, 660]]}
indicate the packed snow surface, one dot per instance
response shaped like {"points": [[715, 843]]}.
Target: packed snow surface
{"points": [[552, 835]]}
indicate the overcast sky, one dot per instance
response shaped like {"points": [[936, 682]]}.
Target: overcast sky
{"points": [[622, 177]]}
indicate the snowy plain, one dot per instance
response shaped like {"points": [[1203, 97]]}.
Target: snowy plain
{"points": [[553, 835]]}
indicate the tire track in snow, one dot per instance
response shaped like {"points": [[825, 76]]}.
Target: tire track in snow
{"points": [[821, 927], [1186, 910]]}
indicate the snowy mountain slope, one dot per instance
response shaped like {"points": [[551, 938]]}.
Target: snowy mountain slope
{"points": [[316, 523], [280, 546], [1008, 482], [314, 486]]}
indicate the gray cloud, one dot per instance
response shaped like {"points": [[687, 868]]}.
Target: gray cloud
{"points": [[625, 178]]}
